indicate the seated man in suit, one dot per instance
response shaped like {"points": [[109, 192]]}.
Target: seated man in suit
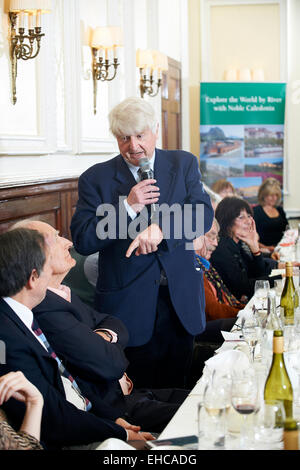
{"points": [[92, 345], [71, 417]]}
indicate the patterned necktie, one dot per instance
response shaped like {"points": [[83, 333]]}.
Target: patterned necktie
{"points": [[139, 173], [63, 371]]}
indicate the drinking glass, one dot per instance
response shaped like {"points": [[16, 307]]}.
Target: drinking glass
{"points": [[261, 289], [261, 315], [251, 333], [269, 425], [245, 400], [216, 401], [278, 285]]}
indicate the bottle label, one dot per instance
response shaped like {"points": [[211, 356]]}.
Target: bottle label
{"points": [[289, 271], [278, 345], [290, 440], [287, 315]]}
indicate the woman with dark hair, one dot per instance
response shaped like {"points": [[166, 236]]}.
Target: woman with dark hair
{"points": [[237, 267]]}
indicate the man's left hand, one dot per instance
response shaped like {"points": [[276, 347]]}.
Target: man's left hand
{"points": [[146, 242]]}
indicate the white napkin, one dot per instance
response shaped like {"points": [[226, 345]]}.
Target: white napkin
{"points": [[228, 362], [235, 336], [245, 313], [277, 272], [114, 444]]}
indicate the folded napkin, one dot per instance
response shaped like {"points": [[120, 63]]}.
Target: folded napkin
{"points": [[229, 336], [228, 362], [245, 313], [114, 444], [277, 272]]}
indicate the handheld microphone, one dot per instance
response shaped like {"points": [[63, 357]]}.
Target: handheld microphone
{"points": [[146, 173]]}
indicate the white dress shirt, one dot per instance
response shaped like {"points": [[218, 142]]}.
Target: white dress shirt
{"points": [[26, 317]]}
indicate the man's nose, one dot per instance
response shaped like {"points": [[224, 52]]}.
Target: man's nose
{"points": [[133, 143], [67, 243], [215, 242]]}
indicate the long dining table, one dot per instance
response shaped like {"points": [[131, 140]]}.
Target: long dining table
{"points": [[185, 421]]}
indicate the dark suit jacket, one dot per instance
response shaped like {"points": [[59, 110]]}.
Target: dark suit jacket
{"points": [[96, 364], [128, 287], [62, 423]]}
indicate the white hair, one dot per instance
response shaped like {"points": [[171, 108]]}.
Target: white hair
{"points": [[131, 117]]}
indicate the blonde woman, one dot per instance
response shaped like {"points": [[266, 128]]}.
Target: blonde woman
{"points": [[269, 216]]}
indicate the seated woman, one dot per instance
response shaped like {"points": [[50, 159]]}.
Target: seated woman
{"points": [[14, 384], [269, 216], [224, 188], [219, 302], [238, 268]]}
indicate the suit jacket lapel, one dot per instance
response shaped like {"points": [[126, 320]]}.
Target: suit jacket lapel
{"points": [[164, 173], [123, 177], [8, 311]]}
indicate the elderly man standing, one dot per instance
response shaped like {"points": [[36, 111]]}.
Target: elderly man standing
{"points": [[140, 275]]}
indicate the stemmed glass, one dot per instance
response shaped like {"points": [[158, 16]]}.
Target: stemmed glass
{"points": [[251, 331], [216, 401], [261, 289], [245, 400]]}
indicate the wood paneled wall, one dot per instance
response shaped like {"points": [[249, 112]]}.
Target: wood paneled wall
{"points": [[52, 202]]}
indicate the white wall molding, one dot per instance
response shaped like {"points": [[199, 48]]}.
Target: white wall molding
{"points": [[205, 21], [40, 169]]}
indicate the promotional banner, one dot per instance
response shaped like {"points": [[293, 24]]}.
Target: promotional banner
{"points": [[242, 134]]}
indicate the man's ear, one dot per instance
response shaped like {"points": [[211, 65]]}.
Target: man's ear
{"points": [[32, 279]]}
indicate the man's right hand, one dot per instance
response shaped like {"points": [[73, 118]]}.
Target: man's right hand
{"points": [[134, 433], [140, 436], [142, 194]]}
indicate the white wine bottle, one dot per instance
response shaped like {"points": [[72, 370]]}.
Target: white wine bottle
{"points": [[278, 386], [289, 297], [290, 435]]}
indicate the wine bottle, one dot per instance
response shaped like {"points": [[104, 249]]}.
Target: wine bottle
{"points": [[278, 386], [289, 296], [290, 435]]}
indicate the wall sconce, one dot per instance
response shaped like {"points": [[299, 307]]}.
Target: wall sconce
{"points": [[104, 44], [148, 61], [25, 46]]}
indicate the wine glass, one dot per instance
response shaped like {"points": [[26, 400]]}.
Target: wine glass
{"points": [[251, 333], [216, 401], [261, 289], [269, 424], [245, 400]]}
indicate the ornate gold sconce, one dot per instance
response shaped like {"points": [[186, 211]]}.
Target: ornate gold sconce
{"points": [[25, 46], [150, 63], [104, 44]]}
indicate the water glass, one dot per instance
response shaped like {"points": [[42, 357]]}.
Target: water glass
{"points": [[261, 290], [278, 285], [269, 425]]}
